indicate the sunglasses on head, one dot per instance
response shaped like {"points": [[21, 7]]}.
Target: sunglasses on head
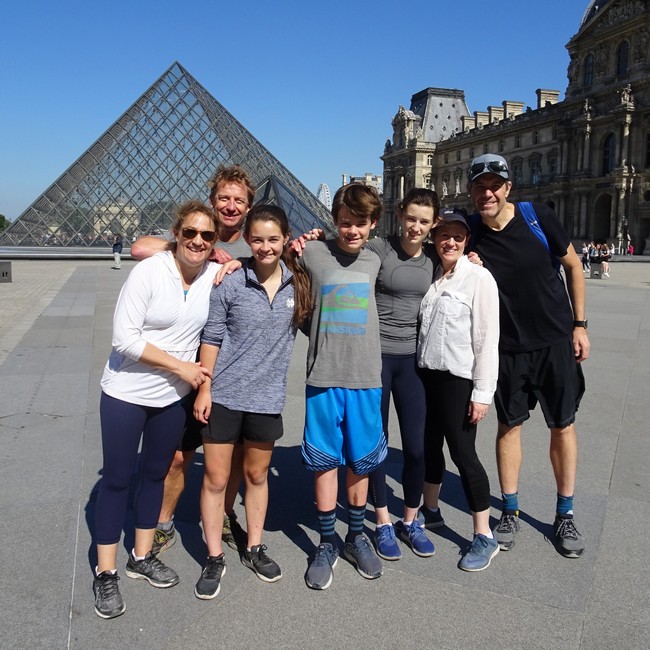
{"points": [[496, 166], [206, 235]]}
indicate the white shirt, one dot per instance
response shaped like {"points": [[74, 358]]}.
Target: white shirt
{"points": [[459, 327], [152, 308]]}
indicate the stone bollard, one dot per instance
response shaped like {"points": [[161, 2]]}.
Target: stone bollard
{"points": [[5, 271]]}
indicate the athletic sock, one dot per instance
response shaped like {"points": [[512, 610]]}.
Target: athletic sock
{"points": [[326, 522], [356, 517], [165, 526], [510, 503], [564, 506]]}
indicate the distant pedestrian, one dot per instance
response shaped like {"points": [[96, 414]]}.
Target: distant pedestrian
{"points": [[117, 251]]}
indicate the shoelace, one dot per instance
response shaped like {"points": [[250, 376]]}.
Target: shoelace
{"points": [[323, 555], [108, 586], [212, 567], [567, 529], [507, 524]]}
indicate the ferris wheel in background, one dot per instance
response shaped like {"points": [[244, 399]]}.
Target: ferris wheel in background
{"points": [[323, 195]]}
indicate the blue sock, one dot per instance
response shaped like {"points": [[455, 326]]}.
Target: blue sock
{"points": [[356, 517], [511, 503], [326, 521], [564, 505]]}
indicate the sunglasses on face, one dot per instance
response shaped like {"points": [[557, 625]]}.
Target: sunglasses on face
{"points": [[206, 235], [495, 166]]}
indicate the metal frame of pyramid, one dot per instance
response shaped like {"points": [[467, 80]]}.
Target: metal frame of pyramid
{"points": [[158, 154]]}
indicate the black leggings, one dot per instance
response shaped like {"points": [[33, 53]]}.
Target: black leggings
{"points": [[123, 425], [400, 376], [447, 419]]}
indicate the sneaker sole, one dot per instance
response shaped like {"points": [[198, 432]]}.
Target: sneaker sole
{"points": [[327, 584], [107, 616], [153, 583], [462, 568], [505, 546], [210, 596], [258, 574], [434, 525], [350, 558]]}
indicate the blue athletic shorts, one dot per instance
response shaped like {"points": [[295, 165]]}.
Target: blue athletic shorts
{"points": [[343, 426]]}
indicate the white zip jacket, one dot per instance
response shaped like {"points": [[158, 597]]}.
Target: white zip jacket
{"points": [[152, 308], [459, 327]]}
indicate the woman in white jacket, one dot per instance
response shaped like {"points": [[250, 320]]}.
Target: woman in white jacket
{"points": [[458, 348], [160, 313]]}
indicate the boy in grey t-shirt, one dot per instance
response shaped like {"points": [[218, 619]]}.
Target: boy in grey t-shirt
{"points": [[343, 423]]}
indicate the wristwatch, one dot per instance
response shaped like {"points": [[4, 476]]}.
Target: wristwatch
{"points": [[580, 323]]}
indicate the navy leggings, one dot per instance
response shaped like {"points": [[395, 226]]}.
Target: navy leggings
{"points": [[448, 400], [123, 424], [400, 376]]}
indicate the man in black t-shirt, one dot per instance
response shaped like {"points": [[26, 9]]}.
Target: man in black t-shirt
{"points": [[543, 340]]}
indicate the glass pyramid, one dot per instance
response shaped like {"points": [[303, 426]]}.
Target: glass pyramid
{"points": [[160, 153]]}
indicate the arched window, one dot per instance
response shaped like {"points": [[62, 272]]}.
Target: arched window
{"points": [[609, 153], [430, 159], [622, 57], [588, 76]]}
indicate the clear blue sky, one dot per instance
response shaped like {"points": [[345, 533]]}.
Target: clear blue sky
{"points": [[316, 83]]}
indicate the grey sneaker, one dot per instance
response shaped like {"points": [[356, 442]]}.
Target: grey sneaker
{"points": [[321, 569], [361, 553], [209, 584], [163, 539], [108, 599], [505, 531], [263, 566], [232, 533], [429, 519], [152, 570], [567, 538]]}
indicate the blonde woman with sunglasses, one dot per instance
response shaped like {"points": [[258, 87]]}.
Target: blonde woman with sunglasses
{"points": [[158, 320]]}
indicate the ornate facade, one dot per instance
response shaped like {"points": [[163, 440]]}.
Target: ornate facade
{"points": [[589, 154]]}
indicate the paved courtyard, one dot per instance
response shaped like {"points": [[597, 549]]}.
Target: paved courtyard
{"points": [[55, 332]]}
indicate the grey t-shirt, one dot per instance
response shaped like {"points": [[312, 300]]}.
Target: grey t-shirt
{"points": [[344, 348], [237, 248], [401, 284]]}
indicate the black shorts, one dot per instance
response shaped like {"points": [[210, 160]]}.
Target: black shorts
{"points": [[549, 376], [192, 432], [226, 425]]}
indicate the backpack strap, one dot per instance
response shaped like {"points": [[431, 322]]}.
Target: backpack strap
{"points": [[530, 217]]}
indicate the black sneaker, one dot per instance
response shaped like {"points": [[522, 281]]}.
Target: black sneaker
{"points": [[163, 539], [232, 533], [209, 583], [257, 560], [430, 519], [567, 538], [108, 599], [152, 570], [505, 531]]}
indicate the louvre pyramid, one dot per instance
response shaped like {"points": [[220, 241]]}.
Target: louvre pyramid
{"points": [[160, 153]]}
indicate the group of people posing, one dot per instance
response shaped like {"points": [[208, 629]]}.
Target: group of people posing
{"points": [[412, 316], [598, 256]]}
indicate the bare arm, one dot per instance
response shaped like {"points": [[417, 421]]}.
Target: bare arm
{"points": [[575, 282], [147, 246], [190, 371], [203, 402]]}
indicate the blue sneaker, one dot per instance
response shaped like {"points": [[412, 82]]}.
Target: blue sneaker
{"points": [[430, 519], [363, 556], [413, 534], [321, 569], [479, 554], [386, 543]]}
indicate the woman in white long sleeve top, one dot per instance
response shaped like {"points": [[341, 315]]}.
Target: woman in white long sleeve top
{"points": [[158, 320], [458, 348]]}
